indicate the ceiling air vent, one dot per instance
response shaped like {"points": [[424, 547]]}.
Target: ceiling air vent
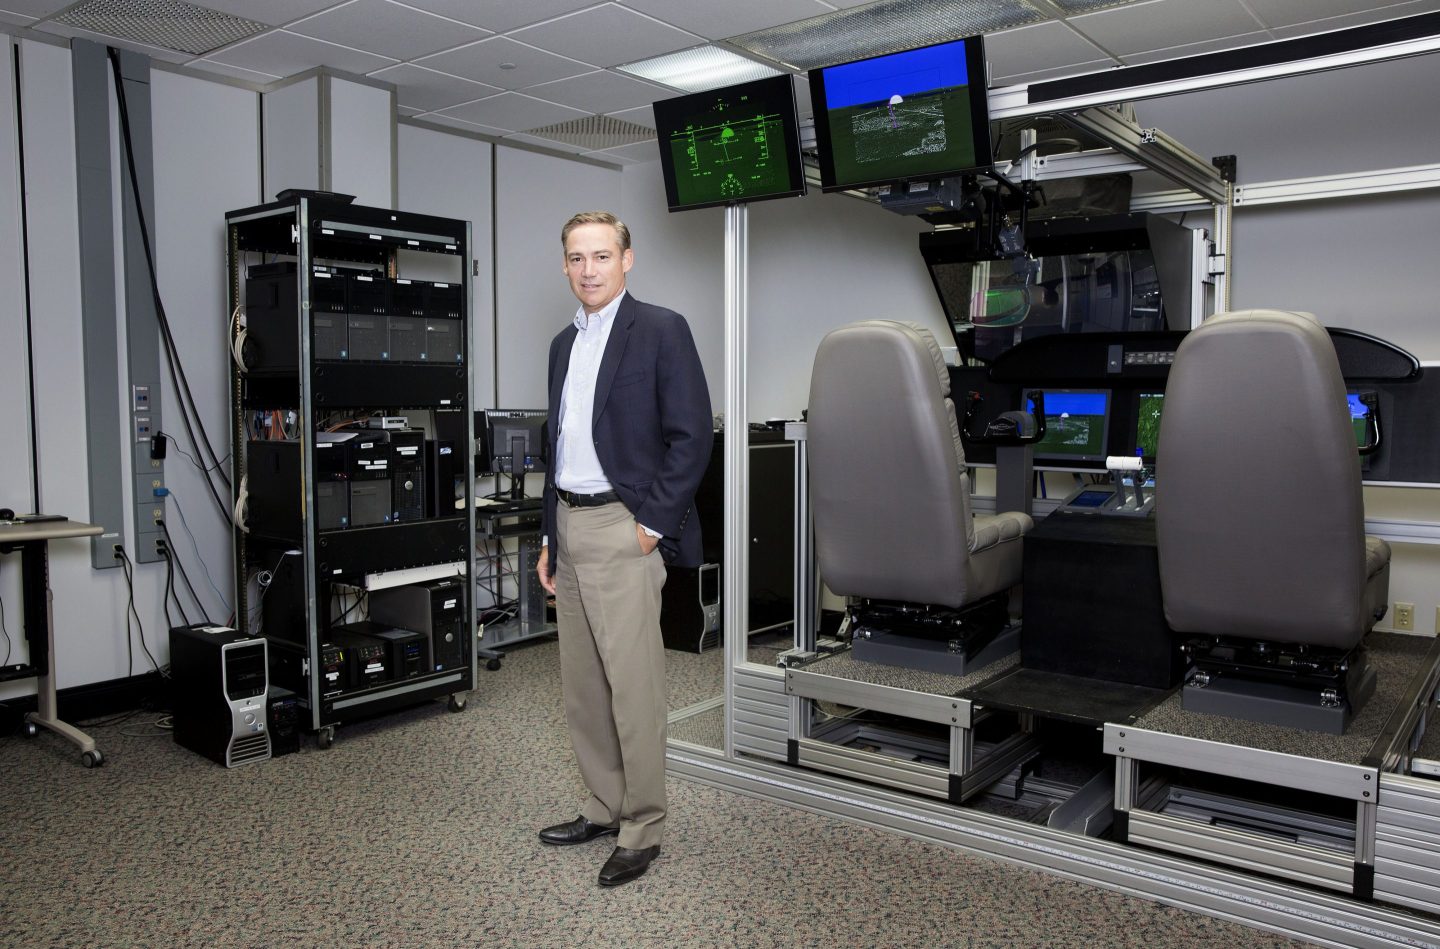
{"points": [[595, 132], [169, 24]]}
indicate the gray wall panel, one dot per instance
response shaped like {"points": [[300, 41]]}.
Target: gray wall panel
{"points": [[361, 159], [17, 492], [535, 197], [292, 137]]}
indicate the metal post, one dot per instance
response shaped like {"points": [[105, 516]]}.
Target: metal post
{"points": [[737, 462]]}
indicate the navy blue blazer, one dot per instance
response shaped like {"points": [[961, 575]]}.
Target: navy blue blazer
{"points": [[652, 424]]}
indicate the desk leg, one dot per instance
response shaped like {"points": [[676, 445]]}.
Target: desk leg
{"points": [[46, 716]]}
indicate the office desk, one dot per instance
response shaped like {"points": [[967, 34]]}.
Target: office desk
{"points": [[32, 540]]}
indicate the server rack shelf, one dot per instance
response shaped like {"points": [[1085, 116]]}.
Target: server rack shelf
{"points": [[329, 334]]}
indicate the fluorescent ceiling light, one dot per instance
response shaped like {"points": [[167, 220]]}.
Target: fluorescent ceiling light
{"points": [[698, 69]]}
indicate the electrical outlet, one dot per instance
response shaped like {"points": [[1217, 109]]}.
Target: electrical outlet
{"points": [[1404, 616]]}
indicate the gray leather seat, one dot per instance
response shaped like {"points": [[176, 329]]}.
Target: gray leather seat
{"points": [[888, 487], [1259, 515]]}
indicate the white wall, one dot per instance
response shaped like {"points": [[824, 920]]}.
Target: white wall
{"points": [[1353, 263], [536, 194], [207, 162], [816, 263], [361, 123]]}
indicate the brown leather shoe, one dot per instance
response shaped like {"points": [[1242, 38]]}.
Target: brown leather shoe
{"points": [[626, 864], [576, 831]]}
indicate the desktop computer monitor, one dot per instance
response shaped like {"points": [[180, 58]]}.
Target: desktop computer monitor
{"points": [[1077, 425], [514, 445]]}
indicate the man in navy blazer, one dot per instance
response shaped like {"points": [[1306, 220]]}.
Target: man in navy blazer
{"points": [[629, 440]]}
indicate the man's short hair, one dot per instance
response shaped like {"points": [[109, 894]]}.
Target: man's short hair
{"points": [[597, 217]]}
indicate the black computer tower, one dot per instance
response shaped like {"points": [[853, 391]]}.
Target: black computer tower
{"points": [[436, 609], [407, 475], [444, 478], [218, 681], [282, 712]]}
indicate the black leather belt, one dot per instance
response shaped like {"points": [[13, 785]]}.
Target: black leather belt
{"points": [[587, 500]]}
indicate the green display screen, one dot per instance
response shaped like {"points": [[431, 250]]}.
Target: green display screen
{"points": [[729, 145], [1147, 423]]}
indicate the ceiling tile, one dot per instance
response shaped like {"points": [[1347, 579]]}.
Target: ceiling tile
{"points": [[284, 54], [19, 19], [600, 92], [154, 52], [234, 72], [452, 122], [405, 110], [1162, 24], [482, 62], [513, 112], [1196, 49], [274, 12], [502, 16], [607, 35], [638, 153], [642, 116], [719, 20], [1291, 12], [1030, 49], [1059, 72], [427, 90], [38, 8], [389, 29], [1356, 19]]}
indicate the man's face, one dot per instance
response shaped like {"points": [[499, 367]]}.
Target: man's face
{"points": [[595, 265]]}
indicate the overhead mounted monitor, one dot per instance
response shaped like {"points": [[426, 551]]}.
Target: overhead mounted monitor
{"points": [[725, 146], [920, 114]]}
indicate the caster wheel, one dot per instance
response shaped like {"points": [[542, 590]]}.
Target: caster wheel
{"points": [[31, 729], [493, 665], [92, 759], [325, 737], [457, 702]]}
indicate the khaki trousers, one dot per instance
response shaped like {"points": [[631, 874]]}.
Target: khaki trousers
{"points": [[612, 667]]}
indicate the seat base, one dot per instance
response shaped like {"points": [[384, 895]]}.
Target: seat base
{"points": [[929, 655], [1321, 694]]}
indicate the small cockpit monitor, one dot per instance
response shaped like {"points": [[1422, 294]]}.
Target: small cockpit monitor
{"points": [[1077, 424], [1147, 424]]}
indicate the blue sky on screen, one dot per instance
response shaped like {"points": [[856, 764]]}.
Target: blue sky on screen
{"points": [[915, 72], [1074, 403]]}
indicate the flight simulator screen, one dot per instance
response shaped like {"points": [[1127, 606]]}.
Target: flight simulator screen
{"points": [[1076, 424], [723, 146], [918, 114], [1147, 423], [1359, 419]]}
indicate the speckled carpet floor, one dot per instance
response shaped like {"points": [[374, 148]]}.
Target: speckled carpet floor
{"points": [[418, 829]]}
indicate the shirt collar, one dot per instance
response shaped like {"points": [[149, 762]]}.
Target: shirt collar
{"points": [[582, 322]]}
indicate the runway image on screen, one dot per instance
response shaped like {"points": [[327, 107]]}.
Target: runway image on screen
{"points": [[729, 155], [900, 116], [1075, 425]]}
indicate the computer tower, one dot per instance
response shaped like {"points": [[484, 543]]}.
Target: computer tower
{"points": [[436, 609], [407, 474], [282, 712], [218, 680], [444, 474]]}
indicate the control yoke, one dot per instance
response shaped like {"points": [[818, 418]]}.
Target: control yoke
{"points": [[1007, 428]]}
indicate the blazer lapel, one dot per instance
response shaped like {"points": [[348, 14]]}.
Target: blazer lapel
{"points": [[614, 350], [560, 371]]}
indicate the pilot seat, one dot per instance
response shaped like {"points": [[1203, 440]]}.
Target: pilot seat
{"points": [[1264, 564], [927, 582]]}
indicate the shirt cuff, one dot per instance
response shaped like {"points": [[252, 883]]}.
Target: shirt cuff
{"points": [[650, 532]]}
